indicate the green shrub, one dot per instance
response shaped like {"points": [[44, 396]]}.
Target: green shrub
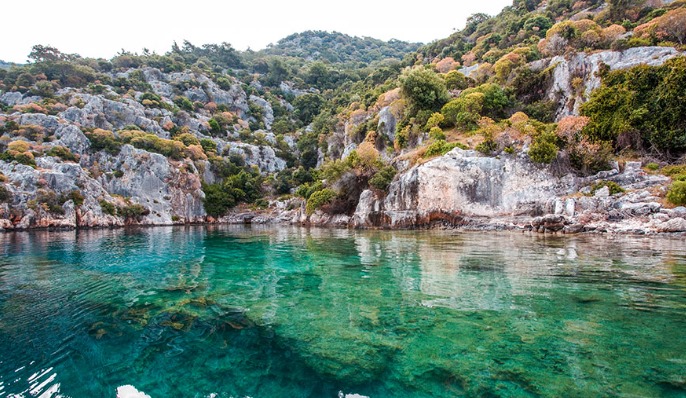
{"points": [[436, 134], [307, 189], [319, 199], [187, 139], [487, 146], [208, 145], [543, 148], [184, 103], [108, 208], [132, 211], [677, 193], [245, 186], [104, 140], [611, 185], [50, 201], [22, 157], [440, 148], [75, 196], [673, 170], [589, 158], [383, 178], [641, 107], [424, 89], [652, 166], [63, 153], [217, 201], [465, 111], [455, 80], [215, 127]]}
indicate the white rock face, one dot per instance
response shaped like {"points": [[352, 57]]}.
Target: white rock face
{"points": [[466, 183]]}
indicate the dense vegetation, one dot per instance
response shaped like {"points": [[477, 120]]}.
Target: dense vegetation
{"points": [[337, 47]]}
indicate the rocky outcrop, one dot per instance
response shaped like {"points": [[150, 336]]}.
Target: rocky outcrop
{"points": [[586, 66], [463, 184], [168, 191], [467, 189], [135, 186]]}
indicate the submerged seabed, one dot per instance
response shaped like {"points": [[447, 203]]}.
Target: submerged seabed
{"points": [[293, 312]]}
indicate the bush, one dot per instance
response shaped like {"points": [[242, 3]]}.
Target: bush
{"points": [[208, 145], [75, 196], [50, 201], [245, 186], [104, 140], [543, 148], [436, 134], [217, 201], [677, 193], [487, 146], [440, 148], [652, 166], [455, 80], [215, 127], [319, 199], [674, 170], [465, 111], [643, 101], [18, 151], [63, 153], [187, 139], [611, 185], [108, 208], [132, 211], [184, 103], [306, 190], [589, 158], [383, 178], [424, 89]]}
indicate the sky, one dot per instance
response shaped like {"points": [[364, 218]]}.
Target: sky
{"points": [[101, 29]]}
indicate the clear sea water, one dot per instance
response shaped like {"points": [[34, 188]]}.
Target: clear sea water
{"points": [[293, 312]]}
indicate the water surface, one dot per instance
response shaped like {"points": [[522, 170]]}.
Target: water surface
{"points": [[292, 312]]}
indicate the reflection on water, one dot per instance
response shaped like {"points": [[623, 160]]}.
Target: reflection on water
{"points": [[252, 311]]}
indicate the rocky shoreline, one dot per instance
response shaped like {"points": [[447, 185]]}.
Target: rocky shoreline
{"points": [[461, 190]]}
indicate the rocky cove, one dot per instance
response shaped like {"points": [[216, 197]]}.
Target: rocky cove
{"points": [[461, 189]]}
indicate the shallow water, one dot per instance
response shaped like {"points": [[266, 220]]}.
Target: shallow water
{"points": [[292, 312]]}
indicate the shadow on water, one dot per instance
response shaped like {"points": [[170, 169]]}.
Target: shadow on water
{"points": [[260, 311]]}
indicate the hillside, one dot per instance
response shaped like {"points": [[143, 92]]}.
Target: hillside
{"points": [[335, 47], [530, 113]]}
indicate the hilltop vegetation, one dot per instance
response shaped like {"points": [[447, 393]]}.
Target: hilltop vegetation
{"points": [[337, 47]]}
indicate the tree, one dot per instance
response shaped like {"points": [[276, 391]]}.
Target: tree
{"points": [[307, 107], [474, 21], [40, 53], [424, 89], [455, 80]]}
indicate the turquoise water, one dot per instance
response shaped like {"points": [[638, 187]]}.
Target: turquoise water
{"points": [[291, 312]]}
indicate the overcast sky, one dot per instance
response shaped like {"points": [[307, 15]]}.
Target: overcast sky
{"points": [[102, 28]]}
